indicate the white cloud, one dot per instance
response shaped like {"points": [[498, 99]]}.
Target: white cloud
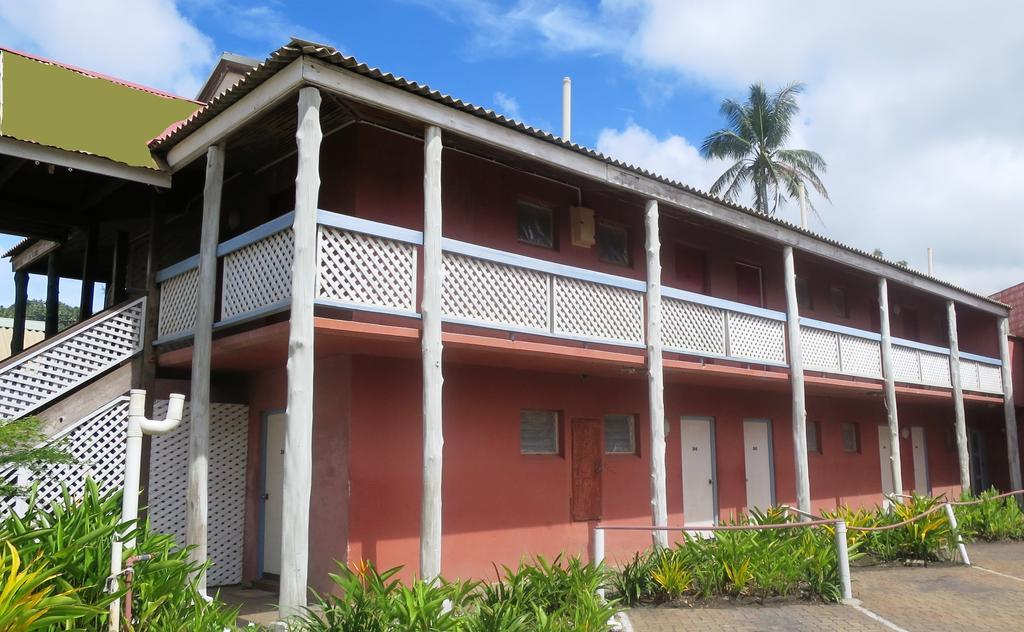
{"points": [[507, 105], [914, 105], [265, 24], [144, 41]]}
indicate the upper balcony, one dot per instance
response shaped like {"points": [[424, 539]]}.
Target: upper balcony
{"points": [[372, 267]]}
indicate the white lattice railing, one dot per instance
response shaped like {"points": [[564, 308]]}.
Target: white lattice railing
{"points": [[256, 270], [843, 350], [57, 366], [981, 374], [715, 328]]}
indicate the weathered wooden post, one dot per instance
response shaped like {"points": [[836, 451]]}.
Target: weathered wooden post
{"points": [[958, 399], [298, 436], [20, 311], [433, 380], [88, 272], [52, 294], [655, 376], [890, 387], [1009, 411], [202, 350], [796, 371]]}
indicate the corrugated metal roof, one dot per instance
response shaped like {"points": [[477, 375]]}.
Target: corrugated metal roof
{"points": [[297, 47]]}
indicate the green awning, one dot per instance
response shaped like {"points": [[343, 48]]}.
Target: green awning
{"points": [[53, 105]]}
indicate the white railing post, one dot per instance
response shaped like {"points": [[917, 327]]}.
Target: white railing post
{"points": [[959, 538], [597, 558], [843, 560]]}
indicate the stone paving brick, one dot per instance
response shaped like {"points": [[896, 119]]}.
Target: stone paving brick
{"points": [[751, 618]]}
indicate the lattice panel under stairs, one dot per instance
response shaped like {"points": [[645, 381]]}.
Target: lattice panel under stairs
{"points": [[820, 350], [494, 293], [178, 303], [97, 444], [756, 338], [257, 275], [59, 366], [168, 485], [990, 378], [360, 269], [592, 310], [693, 327]]}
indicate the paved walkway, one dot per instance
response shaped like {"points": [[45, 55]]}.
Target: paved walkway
{"points": [[912, 599]]}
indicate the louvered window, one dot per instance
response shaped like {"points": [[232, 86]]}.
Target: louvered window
{"points": [[538, 432], [619, 434]]}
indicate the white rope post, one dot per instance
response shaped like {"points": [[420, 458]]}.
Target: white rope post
{"points": [[796, 370], [1009, 411], [433, 380], [895, 465], [298, 436], [959, 538], [598, 557], [655, 376], [843, 560], [958, 399], [202, 349]]}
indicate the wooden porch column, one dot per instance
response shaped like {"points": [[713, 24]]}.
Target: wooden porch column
{"points": [[116, 291], [52, 294], [796, 372], [298, 436], [88, 272], [889, 377], [1009, 412], [655, 375], [433, 380], [958, 399], [20, 307], [202, 347]]}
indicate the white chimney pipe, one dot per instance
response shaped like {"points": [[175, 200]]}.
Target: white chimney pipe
{"points": [[803, 205], [931, 264], [566, 108]]}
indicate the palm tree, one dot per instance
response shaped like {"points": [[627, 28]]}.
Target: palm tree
{"points": [[755, 138]]}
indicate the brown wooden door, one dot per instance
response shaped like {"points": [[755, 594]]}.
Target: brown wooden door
{"points": [[587, 464]]}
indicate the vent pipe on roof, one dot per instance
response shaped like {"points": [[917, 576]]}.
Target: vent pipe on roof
{"points": [[566, 108], [803, 205], [931, 264]]}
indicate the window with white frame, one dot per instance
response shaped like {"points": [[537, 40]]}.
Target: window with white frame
{"points": [[538, 432], [619, 434]]}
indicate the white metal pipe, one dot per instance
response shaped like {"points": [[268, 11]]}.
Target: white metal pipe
{"points": [[796, 370], [138, 425], [931, 263], [843, 560], [889, 376], [655, 376], [598, 558], [566, 108], [959, 539], [803, 205]]}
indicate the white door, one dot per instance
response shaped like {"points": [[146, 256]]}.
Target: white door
{"points": [[921, 483], [273, 486], [757, 462], [884, 454], [699, 492]]}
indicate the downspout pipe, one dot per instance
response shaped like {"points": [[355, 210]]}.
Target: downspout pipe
{"points": [[138, 425]]}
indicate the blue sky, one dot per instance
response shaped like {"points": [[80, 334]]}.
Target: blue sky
{"points": [[912, 104]]}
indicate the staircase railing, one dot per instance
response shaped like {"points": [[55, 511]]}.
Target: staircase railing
{"points": [[57, 366]]}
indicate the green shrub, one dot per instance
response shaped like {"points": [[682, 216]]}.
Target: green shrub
{"points": [[991, 519], [74, 536], [554, 596]]}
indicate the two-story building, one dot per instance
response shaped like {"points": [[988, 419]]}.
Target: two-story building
{"points": [[461, 341]]}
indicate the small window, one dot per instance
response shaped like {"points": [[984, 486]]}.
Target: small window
{"points": [[692, 269], [749, 288], [538, 432], [535, 225], [814, 437], [619, 434], [839, 307], [613, 243], [804, 300], [851, 437]]}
